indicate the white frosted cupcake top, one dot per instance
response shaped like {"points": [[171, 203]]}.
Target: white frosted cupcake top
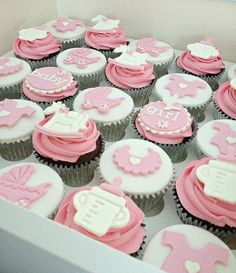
{"points": [[104, 104], [33, 186], [66, 29], [81, 61], [156, 52], [12, 71], [189, 249], [143, 167], [18, 119], [231, 72], [185, 89], [217, 138]]}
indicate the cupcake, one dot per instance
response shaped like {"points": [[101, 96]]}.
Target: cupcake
{"points": [[32, 186], [69, 32], [145, 169], [37, 47], [188, 249], [217, 139], [104, 214], [12, 73], [158, 53], [70, 143], [109, 107], [50, 84], [169, 125], [225, 101], [17, 121], [105, 35], [231, 72], [131, 73], [187, 90], [85, 64], [202, 60], [205, 195]]}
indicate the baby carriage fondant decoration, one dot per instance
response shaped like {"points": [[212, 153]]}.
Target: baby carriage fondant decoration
{"points": [[13, 186]]}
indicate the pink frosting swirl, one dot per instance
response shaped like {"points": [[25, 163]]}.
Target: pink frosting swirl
{"points": [[46, 97], [65, 149], [193, 199], [129, 78], [225, 99], [127, 239], [106, 40], [199, 66], [37, 49]]}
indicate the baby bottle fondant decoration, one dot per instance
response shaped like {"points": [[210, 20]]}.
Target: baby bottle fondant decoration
{"points": [[186, 259], [99, 98], [101, 208], [135, 164], [10, 113], [148, 45], [65, 24], [181, 87], [219, 179], [13, 186], [103, 24], [31, 34], [204, 50], [80, 57], [6, 69]]}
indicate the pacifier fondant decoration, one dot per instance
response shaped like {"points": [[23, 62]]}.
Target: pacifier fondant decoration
{"points": [[80, 57], [31, 34], [103, 24], [148, 45], [10, 113], [186, 259], [137, 165], [181, 87], [65, 24], [13, 186], [6, 69], [219, 179], [98, 98], [101, 208], [128, 58], [204, 50]]}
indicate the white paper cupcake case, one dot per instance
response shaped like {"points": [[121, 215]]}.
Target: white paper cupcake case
{"points": [[17, 150], [11, 92], [187, 218], [140, 96], [218, 113], [176, 152], [88, 81], [75, 175], [162, 68], [78, 42], [211, 80]]}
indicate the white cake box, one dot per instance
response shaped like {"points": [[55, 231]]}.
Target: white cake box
{"points": [[32, 244]]}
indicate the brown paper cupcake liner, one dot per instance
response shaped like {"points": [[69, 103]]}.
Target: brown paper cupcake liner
{"points": [[17, 150], [88, 81], [140, 96], [188, 218], [11, 92], [176, 152], [218, 113], [212, 80], [162, 68], [78, 42], [74, 175]]}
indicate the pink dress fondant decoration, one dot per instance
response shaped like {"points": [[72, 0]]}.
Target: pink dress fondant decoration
{"points": [[65, 24], [10, 113], [225, 140], [186, 259], [98, 98], [7, 69], [135, 164], [182, 88], [148, 45], [13, 188], [80, 57]]}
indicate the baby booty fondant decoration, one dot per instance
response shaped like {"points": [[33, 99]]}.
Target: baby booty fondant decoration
{"points": [[204, 50], [31, 34], [6, 69], [103, 24], [148, 45]]}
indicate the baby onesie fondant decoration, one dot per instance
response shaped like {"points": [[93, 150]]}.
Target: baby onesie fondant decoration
{"points": [[13, 186], [6, 69], [99, 99], [65, 24], [80, 57], [136, 165], [148, 45]]}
